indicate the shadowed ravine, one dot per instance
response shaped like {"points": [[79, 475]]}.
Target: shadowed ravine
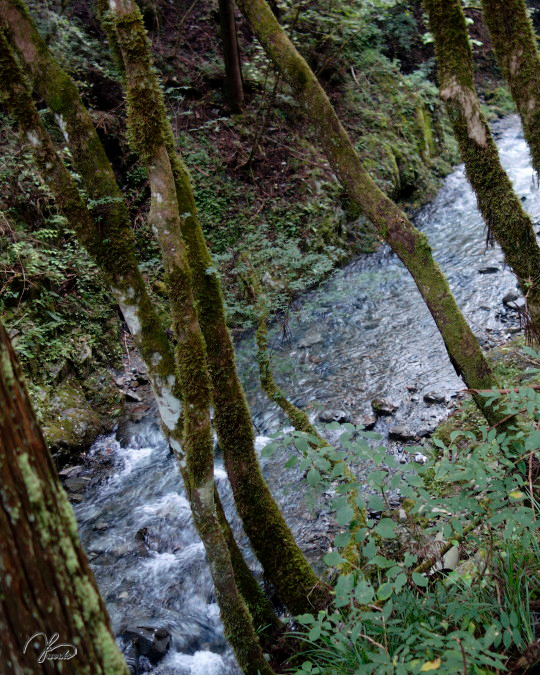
{"points": [[364, 334]]}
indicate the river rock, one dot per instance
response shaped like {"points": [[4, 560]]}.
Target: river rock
{"points": [[510, 297], [517, 305], [311, 338], [488, 270], [382, 407], [71, 472], [419, 458], [133, 396], [340, 416], [70, 425], [141, 641], [76, 484], [101, 526], [401, 433], [368, 421], [435, 397]]}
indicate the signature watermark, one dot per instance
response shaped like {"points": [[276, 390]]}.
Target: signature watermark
{"points": [[49, 652]]}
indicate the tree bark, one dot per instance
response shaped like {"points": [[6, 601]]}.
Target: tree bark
{"points": [[62, 96], [234, 83], [147, 129], [500, 206], [46, 584], [197, 465], [296, 583], [515, 45], [392, 224]]}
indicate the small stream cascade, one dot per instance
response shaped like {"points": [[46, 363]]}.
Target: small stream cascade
{"points": [[363, 334]]}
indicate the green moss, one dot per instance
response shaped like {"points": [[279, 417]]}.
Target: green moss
{"points": [[515, 44], [501, 209]]}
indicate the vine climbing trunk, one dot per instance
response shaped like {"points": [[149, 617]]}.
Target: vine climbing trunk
{"points": [[392, 224], [234, 82], [16, 94], [515, 44], [296, 583], [46, 587], [501, 208], [116, 259]]}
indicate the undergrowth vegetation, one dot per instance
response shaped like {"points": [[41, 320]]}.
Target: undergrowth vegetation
{"points": [[450, 580], [266, 195]]}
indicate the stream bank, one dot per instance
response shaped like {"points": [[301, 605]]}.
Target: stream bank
{"points": [[363, 336]]}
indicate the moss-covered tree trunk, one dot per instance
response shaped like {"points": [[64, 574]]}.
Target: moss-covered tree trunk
{"points": [[62, 96], [500, 206], [196, 470], [295, 581], [515, 44], [46, 585], [147, 130], [392, 224], [234, 83]]}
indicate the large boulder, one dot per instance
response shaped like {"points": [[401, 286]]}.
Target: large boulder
{"points": [[71, 424]]}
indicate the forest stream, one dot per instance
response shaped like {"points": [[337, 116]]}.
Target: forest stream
{"points": [[364, 334]]}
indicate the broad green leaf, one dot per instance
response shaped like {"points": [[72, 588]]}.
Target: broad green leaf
{"points": [[313, 477], [386, 528], [345, 515], [385, 591], [376, 503], [419, 579], [333, 558], [342, 539]]}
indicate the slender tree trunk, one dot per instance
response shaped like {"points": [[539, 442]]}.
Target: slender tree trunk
{"points": [[147, 128], [392, 224], [500, 207], [234, 83], [515, 45], [197, 463], [46, 584], [295, 581], [61, 95]]}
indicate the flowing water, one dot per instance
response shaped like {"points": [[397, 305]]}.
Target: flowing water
{"points": [[363, 334]]}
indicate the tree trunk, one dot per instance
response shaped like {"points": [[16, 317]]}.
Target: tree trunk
{"points": [[148, 131], [296, 583], [392, 224], [197, 465], [500, 207], [515, 45], [61, 95], [46, 584], [234, 83]]}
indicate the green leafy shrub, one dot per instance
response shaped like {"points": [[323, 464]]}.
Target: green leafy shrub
{"points": [[445, 582]]}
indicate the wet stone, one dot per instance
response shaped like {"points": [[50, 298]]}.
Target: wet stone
{"points": [[101, 526], [510, 297], [368, 421], [133, 396], [401, 433], [382, 407], [141, 641], [488, 270], [434, 397], [75, 484], [310, 339], [71, 471], [340, 416], [517, 305]]}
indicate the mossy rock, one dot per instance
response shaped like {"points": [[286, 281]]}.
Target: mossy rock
{"points": [[71, 425]]}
